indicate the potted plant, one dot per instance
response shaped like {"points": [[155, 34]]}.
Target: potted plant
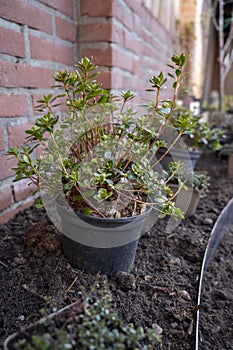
{"points": [[187, 188], [198, 136], [89, 323], [96, 171]]}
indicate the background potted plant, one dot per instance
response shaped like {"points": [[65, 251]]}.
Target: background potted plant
{"points": [[198, 136], [188, 188], [96, 164]]}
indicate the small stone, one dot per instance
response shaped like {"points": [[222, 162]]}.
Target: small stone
{"points": [[18, 260], [184, 295], [174, 324], [208, 221], [175, 261], [148, 278], [157, 329], [126, 281], [215, 329], [21, 317]]}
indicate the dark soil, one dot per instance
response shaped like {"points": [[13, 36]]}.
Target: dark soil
{"points": [[162, 287]]}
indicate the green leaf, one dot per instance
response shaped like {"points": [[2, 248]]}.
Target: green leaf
{"points": [[88, 211], [89, 193], [171, 75], [26, 159]]}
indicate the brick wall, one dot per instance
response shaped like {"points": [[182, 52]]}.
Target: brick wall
{"points": [[130, 44], [37, 37]]}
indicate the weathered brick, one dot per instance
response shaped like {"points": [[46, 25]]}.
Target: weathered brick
{"points": [[130, 82], [117, 80], [132, 43], [13, 105], [2, 146], [136, 67], [123, 14], [122, 60], [117, 35], [21, 75], [10, 214], [95, 32], [12, 42], [64, 6], [23, 189], [5, 197], [6, 163], [49, 51], [136, 6], [96, 8], [147, 36], [105, 80], [23, 12], [66, 30], [16, 134], [101, 57], [138, 24]]}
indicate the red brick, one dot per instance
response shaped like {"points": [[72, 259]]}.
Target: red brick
{"points": [[122, 60], [130, 83], [118, 35], [148, 37], [16, 134], [117, 81], [101, 57], [65, 30], [105, 79], [96, 8], [138, 24], [148, 50], [49, 51], [21, 75], [23, 189], [12, 43], [136, 67], [5, 197], [13, 105], [6, 163], [95, 32], [123, 14], [23, 12], [64, 6], [5, 217], [135, 6], [2, 147], [132, 43]]}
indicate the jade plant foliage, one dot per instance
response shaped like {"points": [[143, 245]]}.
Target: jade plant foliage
{"points": [[101, 150]]}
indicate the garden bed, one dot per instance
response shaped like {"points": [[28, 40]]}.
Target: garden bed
{"points": [[162, 288]]}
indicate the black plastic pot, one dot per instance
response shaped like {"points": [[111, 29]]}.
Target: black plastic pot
{"points": [[100, 245]]}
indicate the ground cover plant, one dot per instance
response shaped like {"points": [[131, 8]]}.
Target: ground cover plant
{"points": [[90, 323]]}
